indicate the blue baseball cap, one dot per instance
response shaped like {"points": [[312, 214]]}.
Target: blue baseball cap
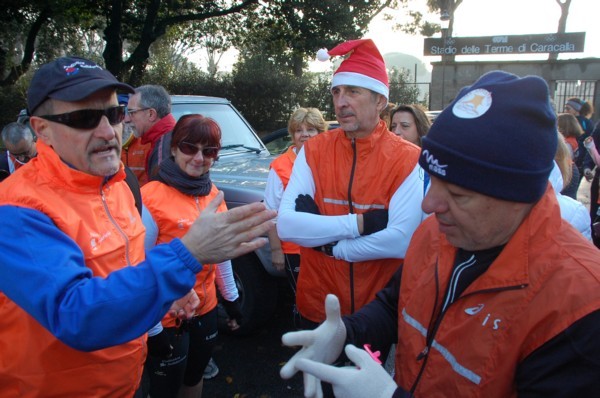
{"points": [[70, 79]]}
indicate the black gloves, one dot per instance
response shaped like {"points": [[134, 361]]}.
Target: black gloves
{"points": [[159, 345], [374, 221], [306, 204], [233, 310]]}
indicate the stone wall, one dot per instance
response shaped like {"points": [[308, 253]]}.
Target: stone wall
{"points": [[449, 77]]}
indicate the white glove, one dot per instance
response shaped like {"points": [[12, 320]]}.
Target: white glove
{"points": [[323, 344], [367, 379]]}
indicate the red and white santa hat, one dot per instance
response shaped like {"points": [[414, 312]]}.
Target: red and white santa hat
{"points": [[364, 67]]}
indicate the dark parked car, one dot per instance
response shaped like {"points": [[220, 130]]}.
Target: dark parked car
{"points": [[278, 141], [241, 173]]}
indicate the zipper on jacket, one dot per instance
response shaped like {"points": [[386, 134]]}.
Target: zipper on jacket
{"points": [[351, 207], [435, 324], [112, 220]]}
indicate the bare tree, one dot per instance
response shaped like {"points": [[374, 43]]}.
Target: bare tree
{"points": [[562, 22]]}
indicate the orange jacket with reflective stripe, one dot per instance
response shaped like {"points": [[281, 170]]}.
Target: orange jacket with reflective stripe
{"points": [[546, 278], [134, 156], [283, 165], [351, 176], [174, 212], [104, 222]]}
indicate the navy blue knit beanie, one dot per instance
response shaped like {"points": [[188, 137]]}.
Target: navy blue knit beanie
{"points": [[497, 138]]}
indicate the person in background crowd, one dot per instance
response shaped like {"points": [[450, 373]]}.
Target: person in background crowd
{"points": [[410, 122], [571, 131], [172, 202], [573, 106], [592, 161], [134, 153], [386, 114], [353, 198], [304, 124], [587, 111], [149, 110], [77, 291], [20, 147], [571, 209], [497, 296]]}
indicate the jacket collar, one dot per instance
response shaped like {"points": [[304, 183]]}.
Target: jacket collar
{"points": [[291, 153], [511, 267], [159, 129]]}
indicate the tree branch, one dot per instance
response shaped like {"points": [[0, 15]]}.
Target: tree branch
{"points": [[18, 70]]}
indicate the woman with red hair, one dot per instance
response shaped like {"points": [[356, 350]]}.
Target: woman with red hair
{"points": [[181, 190]]}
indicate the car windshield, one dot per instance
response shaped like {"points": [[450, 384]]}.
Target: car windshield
{"points": [[236, 135]]}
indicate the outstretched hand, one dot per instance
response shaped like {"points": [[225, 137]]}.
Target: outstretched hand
{"points": [[366, 379], [323, 344], [185, 307], [217, 237]]}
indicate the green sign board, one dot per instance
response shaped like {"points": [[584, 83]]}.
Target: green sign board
{"points": [[492, 45]]}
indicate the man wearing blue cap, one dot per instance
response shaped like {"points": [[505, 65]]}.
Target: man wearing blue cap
{"points": [[498, 296], [77, 292]]}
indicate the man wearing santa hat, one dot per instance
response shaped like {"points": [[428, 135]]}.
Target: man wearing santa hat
{"points": [[353, 200]]}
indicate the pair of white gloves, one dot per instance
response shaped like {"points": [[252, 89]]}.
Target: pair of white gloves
{"points": [[322, 346]]}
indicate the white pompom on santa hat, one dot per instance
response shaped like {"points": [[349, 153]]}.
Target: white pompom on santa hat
{"points": [[364, 67]]}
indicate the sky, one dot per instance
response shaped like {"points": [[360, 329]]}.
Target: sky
{"points": [[499, 17], [485, 18]]}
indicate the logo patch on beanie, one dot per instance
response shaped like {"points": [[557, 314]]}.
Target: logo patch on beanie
{"points": [[473, 104]]}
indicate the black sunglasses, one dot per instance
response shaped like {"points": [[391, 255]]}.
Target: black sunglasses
{"points": [[86, 119], [191, 149]]}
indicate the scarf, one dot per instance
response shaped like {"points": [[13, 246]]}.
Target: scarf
{"points": [[169, 173]]}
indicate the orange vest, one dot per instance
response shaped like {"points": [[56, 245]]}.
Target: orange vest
{"points": [[283, 165], [134, 157], [383, 161], [32, 361], [572, 141], [546, 278], [174, 212]]}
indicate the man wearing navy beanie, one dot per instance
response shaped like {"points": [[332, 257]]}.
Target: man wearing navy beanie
{"points": [[498, 296]]}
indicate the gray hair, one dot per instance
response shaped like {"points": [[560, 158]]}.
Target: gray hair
{"points": [[156, 97], [14, 132]]}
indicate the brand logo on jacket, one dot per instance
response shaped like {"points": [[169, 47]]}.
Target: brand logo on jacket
{"points": [[97, 239], [474, 310], [184, 223], [488, 321]]}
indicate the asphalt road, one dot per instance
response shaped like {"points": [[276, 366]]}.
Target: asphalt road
{"points": [[249, 365]]}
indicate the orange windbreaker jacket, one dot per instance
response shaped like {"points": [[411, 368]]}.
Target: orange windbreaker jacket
{"points": [[102, 219], [546, 278], [174, 212], [283, 165], [351, 176]]}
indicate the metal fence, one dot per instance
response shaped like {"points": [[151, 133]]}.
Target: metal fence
{"points": [[565, 89]]}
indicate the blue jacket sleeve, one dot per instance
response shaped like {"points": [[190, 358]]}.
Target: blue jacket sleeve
{"points": [[43, 271]]}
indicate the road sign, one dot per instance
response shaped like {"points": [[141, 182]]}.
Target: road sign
{"points": [[521, 44]]}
